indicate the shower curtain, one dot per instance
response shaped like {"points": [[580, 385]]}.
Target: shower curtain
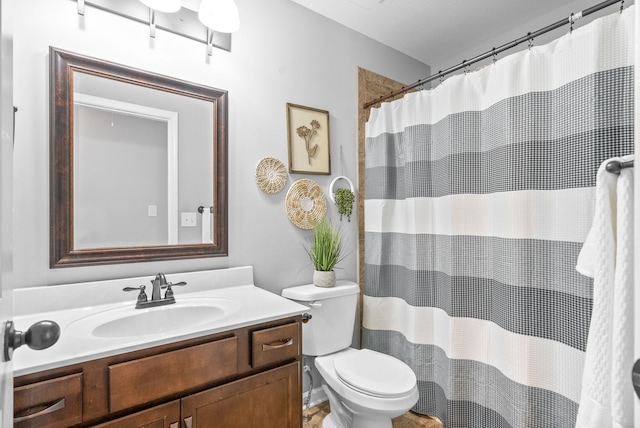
{"points": [[478, 197]]}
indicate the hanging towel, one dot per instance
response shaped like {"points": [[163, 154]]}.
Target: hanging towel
{"points": [[206, 226], [607, 256]]}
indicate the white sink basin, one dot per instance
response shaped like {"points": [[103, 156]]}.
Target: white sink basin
{"points": [[130, 322]]}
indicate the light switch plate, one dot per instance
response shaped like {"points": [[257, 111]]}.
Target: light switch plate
{"points": [[188, 219]]}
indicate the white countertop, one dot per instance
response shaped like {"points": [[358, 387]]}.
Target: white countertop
{"points": [[66, 304]]}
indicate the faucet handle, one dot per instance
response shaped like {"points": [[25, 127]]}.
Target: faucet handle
{"points": [[142, 297], [169, 293]]}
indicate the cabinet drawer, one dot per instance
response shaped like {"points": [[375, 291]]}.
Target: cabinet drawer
{"points": [[163, 416], [275, 344], [52, 403], [147, 379]]}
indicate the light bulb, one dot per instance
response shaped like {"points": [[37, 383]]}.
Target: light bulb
{"points": [[219, 15]]}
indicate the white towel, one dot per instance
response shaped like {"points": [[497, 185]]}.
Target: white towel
{"points": [[607, 255], [207, 224]]}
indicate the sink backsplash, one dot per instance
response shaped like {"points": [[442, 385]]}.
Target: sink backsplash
{"points": [[32, 300]]}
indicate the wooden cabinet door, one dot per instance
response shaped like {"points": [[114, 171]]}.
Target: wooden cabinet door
{"points": [[272, 399], [163, 416]]}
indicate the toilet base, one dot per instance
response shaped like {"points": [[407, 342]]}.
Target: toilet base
{"points": [[359, 421], [328, 422]]}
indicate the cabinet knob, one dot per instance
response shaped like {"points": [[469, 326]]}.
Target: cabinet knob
{"points": [[41, 335], [635, 377]]}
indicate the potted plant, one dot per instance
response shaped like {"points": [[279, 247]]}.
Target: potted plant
{"points": [[325, 253], [344, 201]]}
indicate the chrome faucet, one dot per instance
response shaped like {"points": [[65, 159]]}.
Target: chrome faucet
{"points": [[158, 283]]}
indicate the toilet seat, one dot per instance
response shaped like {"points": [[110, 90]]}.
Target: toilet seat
{"points": [[375, 374]]}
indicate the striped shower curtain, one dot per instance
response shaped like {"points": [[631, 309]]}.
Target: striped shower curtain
{"points": [[479, 194]]}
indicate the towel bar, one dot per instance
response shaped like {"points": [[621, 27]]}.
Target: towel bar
{"points": [[616, 166], [201, 209]]}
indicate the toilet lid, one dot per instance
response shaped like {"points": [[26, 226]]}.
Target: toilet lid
{"points": [[374, 373]]}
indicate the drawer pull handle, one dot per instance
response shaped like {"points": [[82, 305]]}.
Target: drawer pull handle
{"points": [[188, 421], [173, 425], [278, 344], [58, 405]]}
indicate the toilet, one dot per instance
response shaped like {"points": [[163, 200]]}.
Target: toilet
{"points": [[366, 389]]}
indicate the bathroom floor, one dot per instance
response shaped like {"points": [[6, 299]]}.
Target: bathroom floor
{"points": [[408, 420]]}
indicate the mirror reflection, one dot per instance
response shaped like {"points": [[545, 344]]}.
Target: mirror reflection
{"points": [[129, 188], [145, 159]]}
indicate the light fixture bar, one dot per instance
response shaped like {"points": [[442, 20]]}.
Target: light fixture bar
{"points": [[184, 22], [152, 23]]}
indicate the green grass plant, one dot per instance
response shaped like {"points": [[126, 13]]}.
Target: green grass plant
{"points": [[327, 246]]}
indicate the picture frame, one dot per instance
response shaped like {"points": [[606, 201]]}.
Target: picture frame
{"points": [[308, 140]]}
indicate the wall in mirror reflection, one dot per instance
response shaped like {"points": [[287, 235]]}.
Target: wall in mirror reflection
{"points": [[142, 158]]}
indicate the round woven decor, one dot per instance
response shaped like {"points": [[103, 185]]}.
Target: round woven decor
{"points": [[306, 204], [271, 175]]}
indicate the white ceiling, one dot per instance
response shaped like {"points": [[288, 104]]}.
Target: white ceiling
{"points": [[433, 31]]}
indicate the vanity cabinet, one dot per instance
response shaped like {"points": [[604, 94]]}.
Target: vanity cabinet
{"points": [[262, 400], [249, 376]]}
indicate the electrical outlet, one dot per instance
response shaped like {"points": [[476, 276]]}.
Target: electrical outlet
{"points": [[188, 219]]}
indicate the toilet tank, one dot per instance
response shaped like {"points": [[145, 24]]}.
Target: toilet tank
{"points": [[333, 315]]}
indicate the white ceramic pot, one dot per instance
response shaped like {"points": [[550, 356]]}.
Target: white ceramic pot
{"points": [[324, 278]]}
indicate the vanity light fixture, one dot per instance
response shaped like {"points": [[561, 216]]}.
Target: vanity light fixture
{"points": [[219, 15], [167, 6], [211, 25]]}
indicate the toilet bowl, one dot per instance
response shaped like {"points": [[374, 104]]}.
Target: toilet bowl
{"points": [[373, 387], [366, 389]]}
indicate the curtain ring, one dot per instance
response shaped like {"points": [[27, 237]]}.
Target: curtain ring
{"points": [[621, 6], [440, 77], [466, 66], [495, 55], [571, 23], [530, 40]]}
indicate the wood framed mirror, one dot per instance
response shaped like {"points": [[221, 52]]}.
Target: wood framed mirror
{"points": [[138, 165]]}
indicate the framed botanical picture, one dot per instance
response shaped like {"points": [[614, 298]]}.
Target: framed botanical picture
{"points": [[308, 132]]}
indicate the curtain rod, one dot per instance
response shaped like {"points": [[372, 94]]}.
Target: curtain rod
{"points": [[530, 36]]}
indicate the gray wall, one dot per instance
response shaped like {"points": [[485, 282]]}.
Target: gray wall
{"points": [[282, 53]]}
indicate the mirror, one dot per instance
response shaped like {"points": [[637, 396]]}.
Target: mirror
{"points": [[138, 165]]}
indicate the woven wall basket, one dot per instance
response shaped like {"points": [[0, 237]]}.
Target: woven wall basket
{"points": [[271, 175], [305, 203]]}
